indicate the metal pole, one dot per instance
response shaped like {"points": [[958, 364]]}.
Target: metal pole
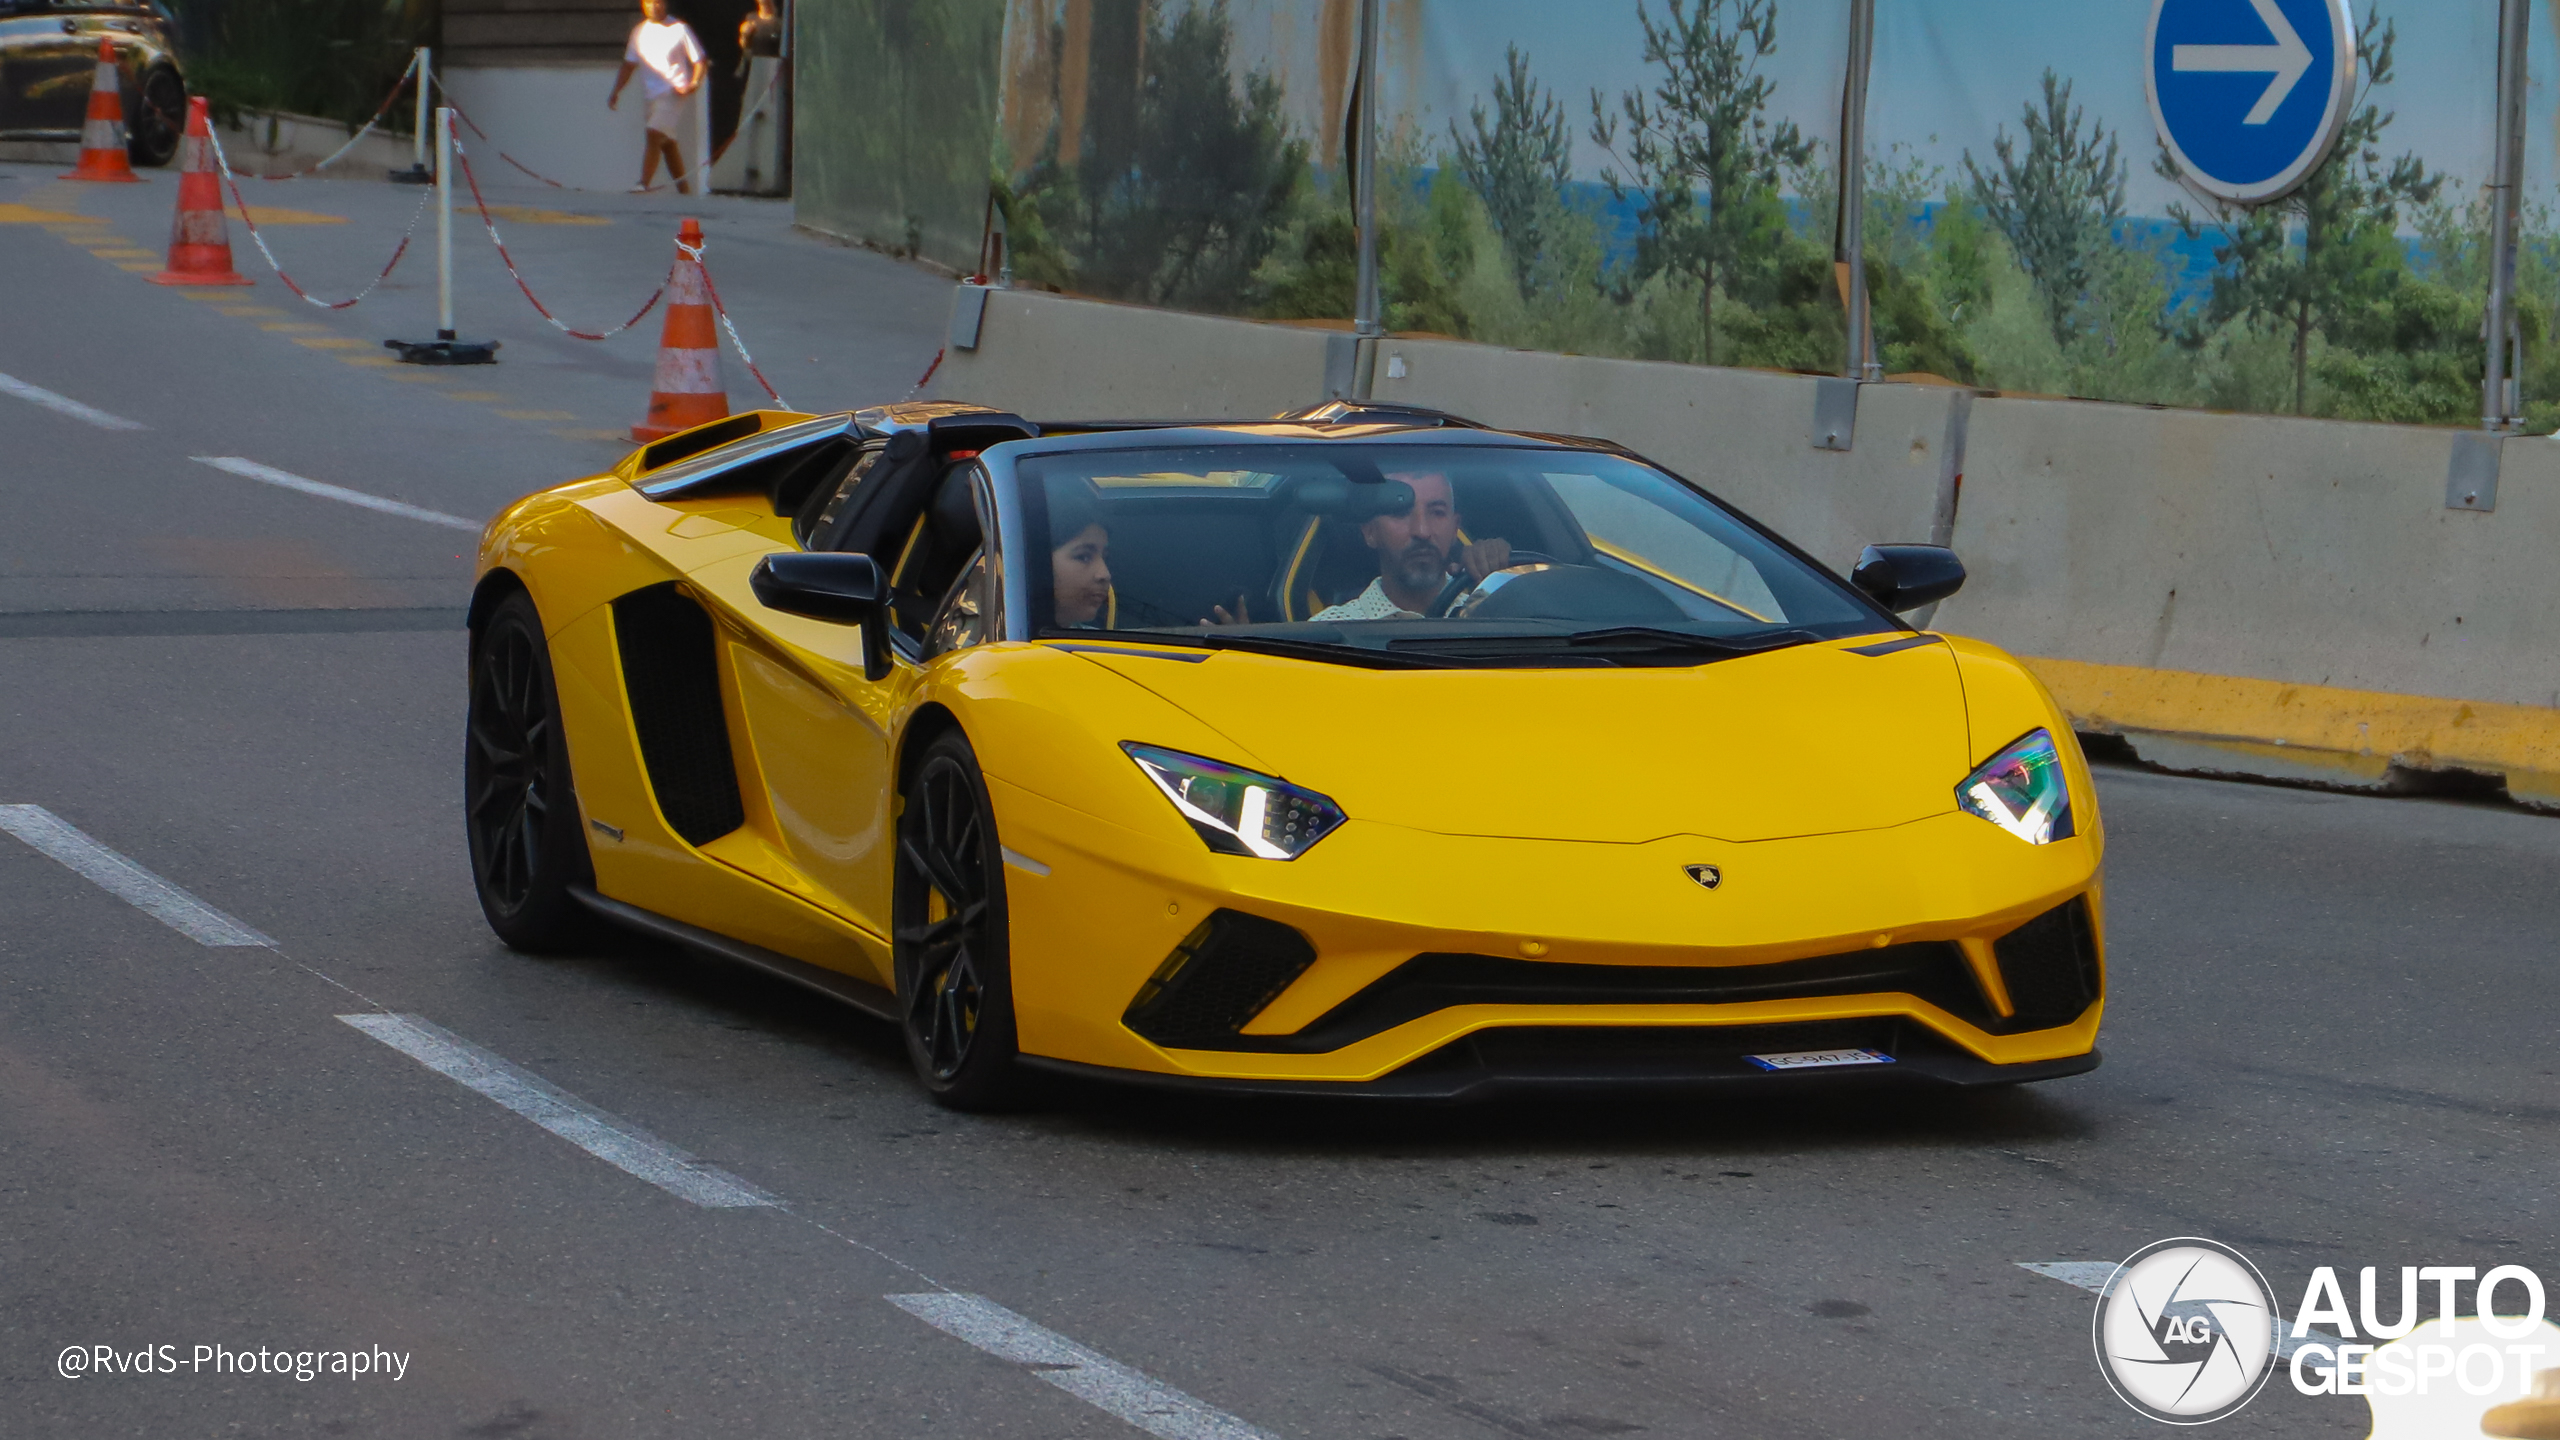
{"points": [[1365, 308], [444, 222], [1859, 360], [2499, 400], [425, 61]]}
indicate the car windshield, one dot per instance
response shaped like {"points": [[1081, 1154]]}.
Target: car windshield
{"points": [[1404, 554]]}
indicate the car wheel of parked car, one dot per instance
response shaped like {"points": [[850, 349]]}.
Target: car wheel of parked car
{"points": [[159, 118], [955, 989], [520, 810]]}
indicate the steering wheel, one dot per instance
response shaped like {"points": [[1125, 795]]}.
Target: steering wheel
{"points": [[1462, 584]]}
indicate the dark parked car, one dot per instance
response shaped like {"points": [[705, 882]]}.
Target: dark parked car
{"points": [[49, 53]]}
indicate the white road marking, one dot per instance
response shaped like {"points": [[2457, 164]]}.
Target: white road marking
{"points": [[252, 470], [116, 875], [64, 404], [616, 1142], [2094, 1275], [1098, 1380]]}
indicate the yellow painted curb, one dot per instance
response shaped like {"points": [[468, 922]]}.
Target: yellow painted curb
{"points": [[2358, 734]]}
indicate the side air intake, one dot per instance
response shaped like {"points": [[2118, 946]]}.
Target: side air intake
{"points": [[671, 673]]}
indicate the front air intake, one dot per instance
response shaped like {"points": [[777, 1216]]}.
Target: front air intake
{"points": [[1214, 983], [2050, 965]]}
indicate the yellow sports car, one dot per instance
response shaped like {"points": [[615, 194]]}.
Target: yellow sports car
{"points": [[1362, 751]]}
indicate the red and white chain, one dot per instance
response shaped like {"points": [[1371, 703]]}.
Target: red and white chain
{"points": [[694, 254], [223, 162], [539, 308]]}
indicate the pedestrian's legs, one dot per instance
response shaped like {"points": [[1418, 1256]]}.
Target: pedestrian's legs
{"points": [[650, 140], [675, 164]]}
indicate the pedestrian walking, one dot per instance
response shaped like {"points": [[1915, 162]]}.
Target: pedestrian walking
{"points": [[751, 162], [673, 65]]}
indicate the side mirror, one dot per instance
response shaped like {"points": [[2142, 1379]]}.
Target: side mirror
{"points": [[1906, 577], [839, 588]]}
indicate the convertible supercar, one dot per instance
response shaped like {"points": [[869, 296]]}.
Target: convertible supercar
{"points": [[1364, 750]]}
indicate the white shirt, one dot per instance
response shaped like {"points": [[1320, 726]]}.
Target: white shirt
{"points": [[665, 54], [1369, 604]]}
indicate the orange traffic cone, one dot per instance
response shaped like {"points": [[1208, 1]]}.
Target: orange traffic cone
{"points": [[102, 155], [199, 242], [688, 390]]}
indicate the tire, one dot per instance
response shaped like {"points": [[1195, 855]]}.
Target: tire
{"points": [[520, 809], [159, 118], [955, 979]]}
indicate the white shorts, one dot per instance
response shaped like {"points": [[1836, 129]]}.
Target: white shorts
{"points": [[666, 113]]}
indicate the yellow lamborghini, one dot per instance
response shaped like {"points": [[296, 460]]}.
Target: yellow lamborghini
{"points": [[1362, 751]]}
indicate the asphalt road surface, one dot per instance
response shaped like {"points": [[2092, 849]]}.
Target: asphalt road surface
{"points": [[634, 1194]]}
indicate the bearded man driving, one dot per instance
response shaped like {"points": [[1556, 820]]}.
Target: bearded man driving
{"points": [[1418, 551]]}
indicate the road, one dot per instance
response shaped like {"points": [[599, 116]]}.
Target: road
{"points": [[2327, 1043]]}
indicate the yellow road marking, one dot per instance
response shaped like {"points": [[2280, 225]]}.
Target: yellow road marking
{"points": [[293, 325], [251, 310], [14, 214], [535, 215], [474, 395], [272, 215], [337, 342], [139, 267], [619, 435], [126, 252], [539, 414]]}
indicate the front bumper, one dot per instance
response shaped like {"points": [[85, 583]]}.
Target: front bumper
{"points": [[1435, 966]]}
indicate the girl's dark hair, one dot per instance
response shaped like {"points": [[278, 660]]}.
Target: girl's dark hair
{"points": [[1073, 507]]}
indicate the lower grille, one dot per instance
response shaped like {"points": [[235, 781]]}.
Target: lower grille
{"points": [[1217, 980], [2050, 965]]}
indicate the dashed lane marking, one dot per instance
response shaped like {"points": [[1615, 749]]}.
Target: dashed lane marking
{"points": [[1088, 1375], [336, 342], [65, 405], [268, 474], [538, 414], [53, 836], [618, 1143]]}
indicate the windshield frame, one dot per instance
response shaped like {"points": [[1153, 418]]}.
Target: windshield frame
{"points": [[1000, 464]]}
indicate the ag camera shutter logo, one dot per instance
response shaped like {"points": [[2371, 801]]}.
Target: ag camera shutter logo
{"points": [[2185, 1331]]}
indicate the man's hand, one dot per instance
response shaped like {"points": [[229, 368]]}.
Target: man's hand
{"points": [[1242, 616], [1486, 556]]}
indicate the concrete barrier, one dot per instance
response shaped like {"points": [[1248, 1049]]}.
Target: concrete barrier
{"points": [[1049, 355], [278, 144], [2253, 595]]}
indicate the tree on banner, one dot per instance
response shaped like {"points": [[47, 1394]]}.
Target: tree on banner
{"points": [[1518, 166], [1701, 150], [2059, 205], [2328, 256]]}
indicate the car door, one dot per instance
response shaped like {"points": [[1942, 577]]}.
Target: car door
{"points": [[823, 736]]}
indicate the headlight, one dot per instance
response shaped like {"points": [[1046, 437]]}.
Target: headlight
{"points": [[1238, 812], [2022, 791]]}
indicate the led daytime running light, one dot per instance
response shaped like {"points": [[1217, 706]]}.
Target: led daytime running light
{"points": [[1237, 811], [2022, 790]]}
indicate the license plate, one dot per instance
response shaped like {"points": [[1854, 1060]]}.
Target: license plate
{"points": [[1819, 1059]]}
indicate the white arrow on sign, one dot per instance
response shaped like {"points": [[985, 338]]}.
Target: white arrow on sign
{"points": [[2287, 59]]}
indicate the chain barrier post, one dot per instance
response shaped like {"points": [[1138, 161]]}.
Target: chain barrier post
{"points": [[422, 68], [445, 349]]}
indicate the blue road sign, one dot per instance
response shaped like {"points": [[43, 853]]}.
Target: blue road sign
{"points": [[2249, 95]]}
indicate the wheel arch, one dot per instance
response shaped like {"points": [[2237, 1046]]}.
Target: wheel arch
{"points": [[492, 592], [931, 721]]}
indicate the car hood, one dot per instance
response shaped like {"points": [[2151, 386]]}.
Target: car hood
{"points": [[1811, 740]]}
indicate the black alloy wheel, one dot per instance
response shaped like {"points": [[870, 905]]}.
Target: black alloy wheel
{"points": [[519, 808], [955, 986], [159, 118]]}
